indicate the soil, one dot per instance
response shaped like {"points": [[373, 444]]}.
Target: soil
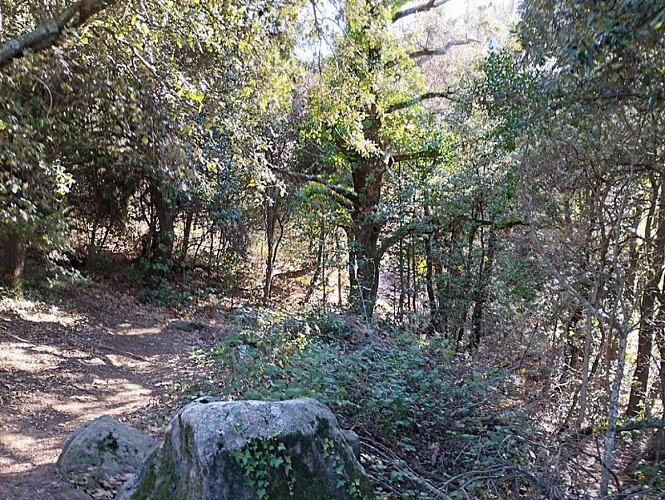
{"points": [[97, 352]]}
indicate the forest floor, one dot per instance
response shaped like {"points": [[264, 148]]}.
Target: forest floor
{"points": [[98, 351]]}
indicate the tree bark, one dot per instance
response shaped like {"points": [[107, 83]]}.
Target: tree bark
{"points": [[613, 414], [47, 34], [92, 246], [163, 253], [187, 232], [270, 224], [429, 275], [480, 298], [363, 236], [317, 271], [12, 258]]}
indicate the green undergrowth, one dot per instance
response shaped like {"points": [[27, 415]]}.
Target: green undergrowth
{"points": [[428, 417]]}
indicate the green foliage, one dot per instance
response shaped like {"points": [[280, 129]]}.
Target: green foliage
{"points": [[330, 453], [94, 130], [408, 392], [258, 457]]}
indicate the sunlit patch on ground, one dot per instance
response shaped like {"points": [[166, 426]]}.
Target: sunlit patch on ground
{"points": [[103, 354]]}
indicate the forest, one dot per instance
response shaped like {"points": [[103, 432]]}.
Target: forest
{"points": [[444, 219]]}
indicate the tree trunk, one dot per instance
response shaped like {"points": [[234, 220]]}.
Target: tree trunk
{"points": [[414, 277], [339, 272], [429, 277], [163, 253], [363, 270], [323, 264], [189, 221], [92, 247], [586, 356], [363, 236], [485, 273], [656, 254], [613, 414], [317, 271], [402, 288], [12, 259], [270, 223]]}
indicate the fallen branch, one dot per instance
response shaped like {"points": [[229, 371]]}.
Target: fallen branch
{"points": [[20, 339], [636, 425], [401, 466], [298, 273]]}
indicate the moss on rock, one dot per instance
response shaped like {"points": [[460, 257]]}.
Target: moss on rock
{"points": [[249, 450]]}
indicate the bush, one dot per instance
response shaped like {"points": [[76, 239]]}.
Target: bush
{"points": [[409, 396]]}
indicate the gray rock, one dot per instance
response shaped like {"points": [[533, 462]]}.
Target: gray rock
{"points": [[105, 445], [245, 450], [353, 440]]}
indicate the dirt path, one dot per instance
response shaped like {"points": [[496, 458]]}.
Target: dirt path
{"points": [[61, 366]]}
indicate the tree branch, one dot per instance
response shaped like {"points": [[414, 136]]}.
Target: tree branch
{"points": [[443, 50], [418, 155], [429, 5], [430, 52], [634, 425], [420, 227], [46, 34], [427, 226], [347, 196], [418, 99]]}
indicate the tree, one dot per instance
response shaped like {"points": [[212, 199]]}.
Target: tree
{"points": [[47, 33], [132, 115], [367, 115], [601, 105]]}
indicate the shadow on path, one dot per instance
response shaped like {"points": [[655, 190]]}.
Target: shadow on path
{"points": [[104, 354]]}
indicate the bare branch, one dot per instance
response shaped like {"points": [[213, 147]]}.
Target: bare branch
{"points": [[418, 99], [428, 225], [46, 34], [430, 52], [424, 7], [417, 227]]}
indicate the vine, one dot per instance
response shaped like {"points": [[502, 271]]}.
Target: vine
{"points": [[330, 453], [258, 458]]}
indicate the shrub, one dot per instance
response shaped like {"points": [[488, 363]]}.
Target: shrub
{"points": [[410, 397]]}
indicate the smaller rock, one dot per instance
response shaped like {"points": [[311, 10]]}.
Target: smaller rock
{"points": [[106, 445]]}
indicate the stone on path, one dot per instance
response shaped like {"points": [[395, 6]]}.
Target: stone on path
{"points": [[106, 445]]}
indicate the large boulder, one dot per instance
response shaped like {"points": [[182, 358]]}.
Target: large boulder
{"points": [[105, 445], [248, 450]]}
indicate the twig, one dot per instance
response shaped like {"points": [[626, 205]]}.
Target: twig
{"points": [[405, 469], [20, 339]]}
